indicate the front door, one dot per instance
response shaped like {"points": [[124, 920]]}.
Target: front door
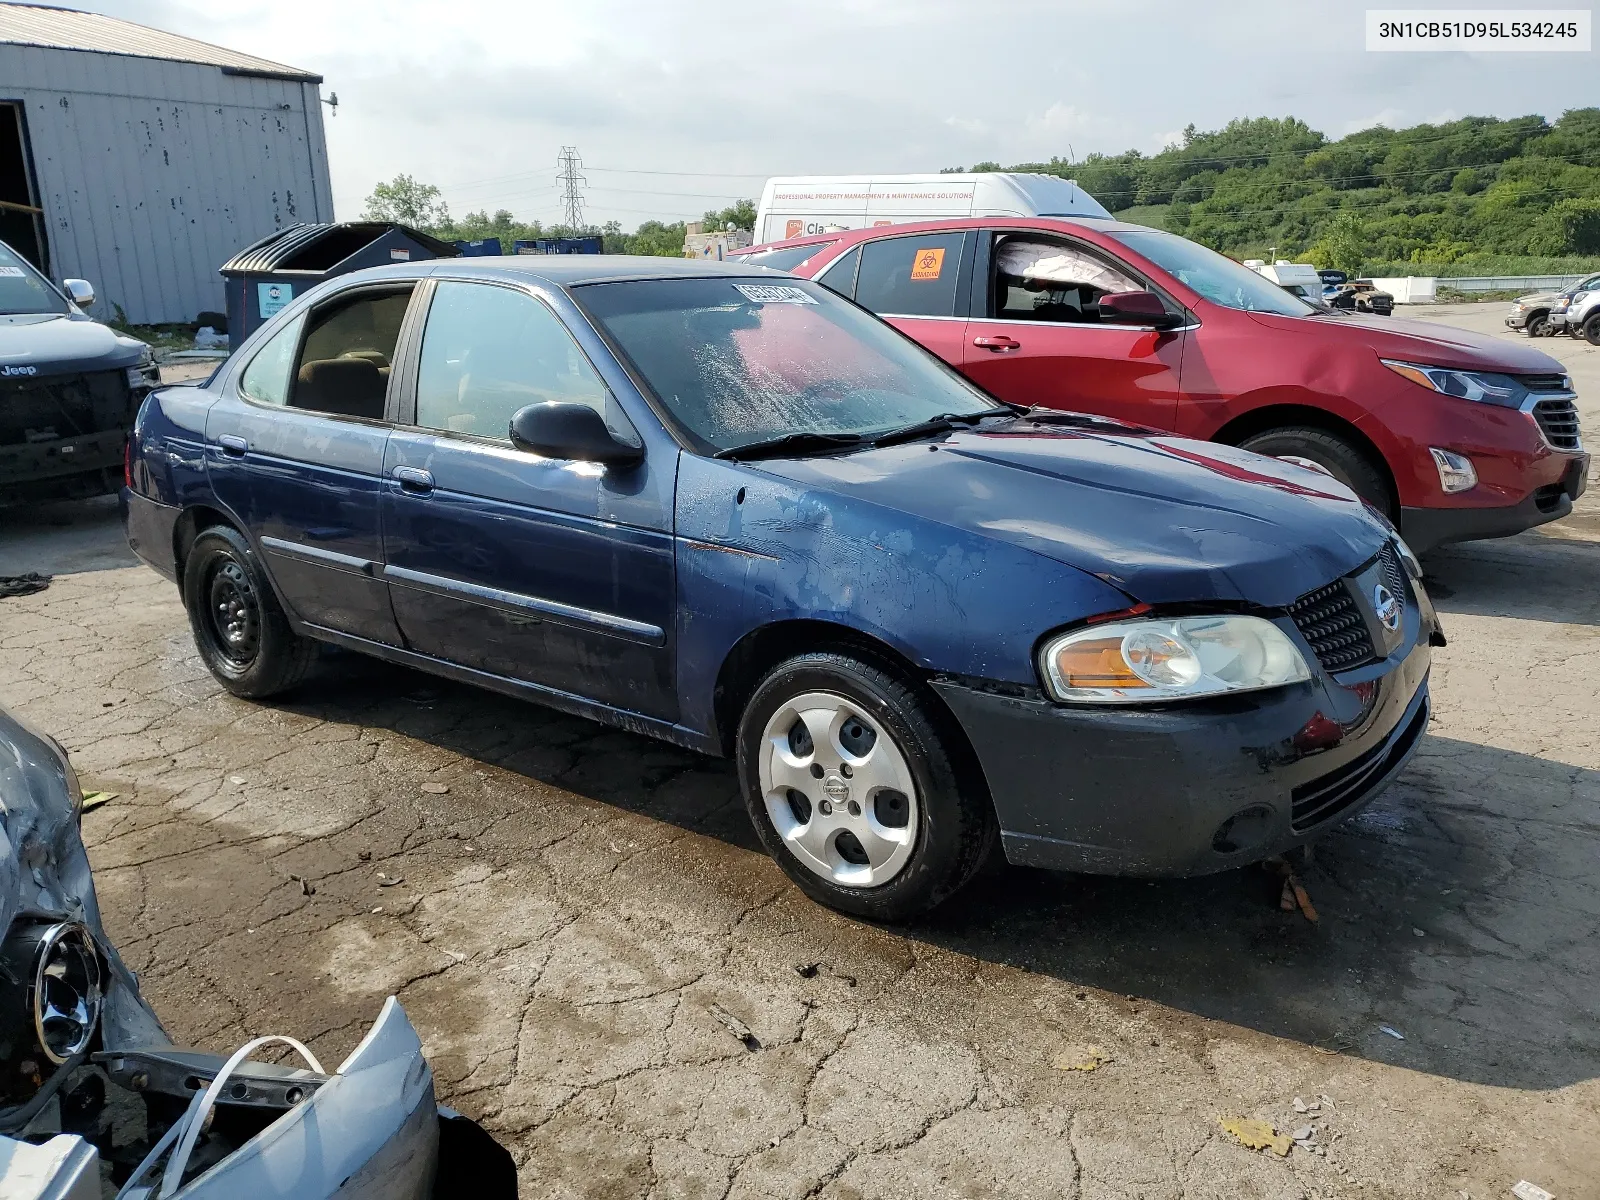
{"points": [[914, 282], [1041, 341], [551, 572], [295, 449]]}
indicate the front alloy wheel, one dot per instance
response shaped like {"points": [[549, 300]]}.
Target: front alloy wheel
{"points": [[862, 786], [838, 790]]}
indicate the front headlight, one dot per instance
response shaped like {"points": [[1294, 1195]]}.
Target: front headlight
{"points": [[1153, 661], [1561, 305], [147, 374], [1464, 385]]}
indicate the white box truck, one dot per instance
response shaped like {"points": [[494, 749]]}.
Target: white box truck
{"points": [[796, 206]]}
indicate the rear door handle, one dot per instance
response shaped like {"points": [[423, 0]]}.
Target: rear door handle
{"points": [[999, 342], [413, 480], [233, 445]]}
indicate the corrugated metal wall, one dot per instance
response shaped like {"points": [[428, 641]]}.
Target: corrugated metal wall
{"points": [[153, 173]]}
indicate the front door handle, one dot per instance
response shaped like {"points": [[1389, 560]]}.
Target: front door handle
{"points": [[233, 445], [414, 480], [998, 343]]}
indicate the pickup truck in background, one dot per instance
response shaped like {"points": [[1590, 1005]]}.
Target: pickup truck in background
{"points": [[1544, 314], [70, 388]]}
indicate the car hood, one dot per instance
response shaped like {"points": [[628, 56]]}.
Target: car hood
{"points": [[1417, 341], [1539, 298], [1165, 519], [60, 344]]}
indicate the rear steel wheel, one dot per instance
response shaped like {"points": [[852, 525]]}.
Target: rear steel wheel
{"points": [[235, 613], [239, 628]]}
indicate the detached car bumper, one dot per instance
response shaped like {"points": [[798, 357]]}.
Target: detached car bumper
{"points": [[1191, 789]]}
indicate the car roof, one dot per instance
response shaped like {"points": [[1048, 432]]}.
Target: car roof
{"points": [[560, 270], [1098, 224], [570, 270]]}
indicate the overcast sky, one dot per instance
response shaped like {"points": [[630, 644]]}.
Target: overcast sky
{"points": [[676, 106]]}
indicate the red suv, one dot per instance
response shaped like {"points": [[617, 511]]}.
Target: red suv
{"points": [[1453, 435]]}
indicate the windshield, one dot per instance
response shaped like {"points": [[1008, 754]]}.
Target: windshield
{"points": [[1218, 279], [738, 361], [24, 290], [785, 258]]}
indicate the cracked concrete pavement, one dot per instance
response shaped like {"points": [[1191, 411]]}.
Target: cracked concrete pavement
{"points": [[583, 929]]}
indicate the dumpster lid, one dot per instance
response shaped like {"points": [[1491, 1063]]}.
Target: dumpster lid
{"points": [[317, 246]]}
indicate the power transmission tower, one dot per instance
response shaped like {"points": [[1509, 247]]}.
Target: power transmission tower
{"points": [[569, 172]]}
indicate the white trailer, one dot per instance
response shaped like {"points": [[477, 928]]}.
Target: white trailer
{"points": [[795, 206], [1300, 278]]}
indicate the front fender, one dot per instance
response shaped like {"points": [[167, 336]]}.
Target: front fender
{"points": [[753, 550]]}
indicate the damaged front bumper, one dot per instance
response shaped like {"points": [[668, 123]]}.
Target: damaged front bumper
{"points": [[75, 1035], [1190, 789]]}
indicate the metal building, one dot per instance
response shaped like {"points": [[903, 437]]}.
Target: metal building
{"points": [[141, 161]]}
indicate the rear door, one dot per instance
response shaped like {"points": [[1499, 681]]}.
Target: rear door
{"points": [[294, 449], [1036, 336], [917, 283], [550, 572]]}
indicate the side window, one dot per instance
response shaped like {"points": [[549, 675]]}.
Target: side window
{"points": [[343, 368], [1035, 279], [910, 276], [489, 351], [266, 379], [841, 274]]}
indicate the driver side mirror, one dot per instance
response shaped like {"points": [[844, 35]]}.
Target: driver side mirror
{"points": [[79, 291], [569, 430], [1137, 308]]}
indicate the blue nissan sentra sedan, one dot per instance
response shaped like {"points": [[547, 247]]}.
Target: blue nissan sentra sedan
{"points": [[728, 508]]}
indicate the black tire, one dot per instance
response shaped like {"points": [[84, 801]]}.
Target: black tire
{"points": [[1348, 463], [955, 823], [238, 625], [1538, 324], [1591, 330]]}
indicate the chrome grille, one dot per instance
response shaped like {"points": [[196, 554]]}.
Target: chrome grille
{"points": [[1558, 421], [1394, 573], [1545, 383], [1329, 619]]}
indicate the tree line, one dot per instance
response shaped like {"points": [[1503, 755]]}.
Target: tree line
{"points": [[422, 206], [1481, 192], [1476, 189]]}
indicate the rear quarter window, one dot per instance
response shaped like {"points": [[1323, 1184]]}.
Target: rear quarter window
{"points": [[911, 276]]}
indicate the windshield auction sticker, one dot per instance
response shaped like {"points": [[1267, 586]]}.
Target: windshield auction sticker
{"points": [[1478, 29], [927, 264], [12, 273], [772, 293]]}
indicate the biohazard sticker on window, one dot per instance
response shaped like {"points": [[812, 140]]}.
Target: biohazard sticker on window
{"points": [[773, 293], [927, 262]]}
